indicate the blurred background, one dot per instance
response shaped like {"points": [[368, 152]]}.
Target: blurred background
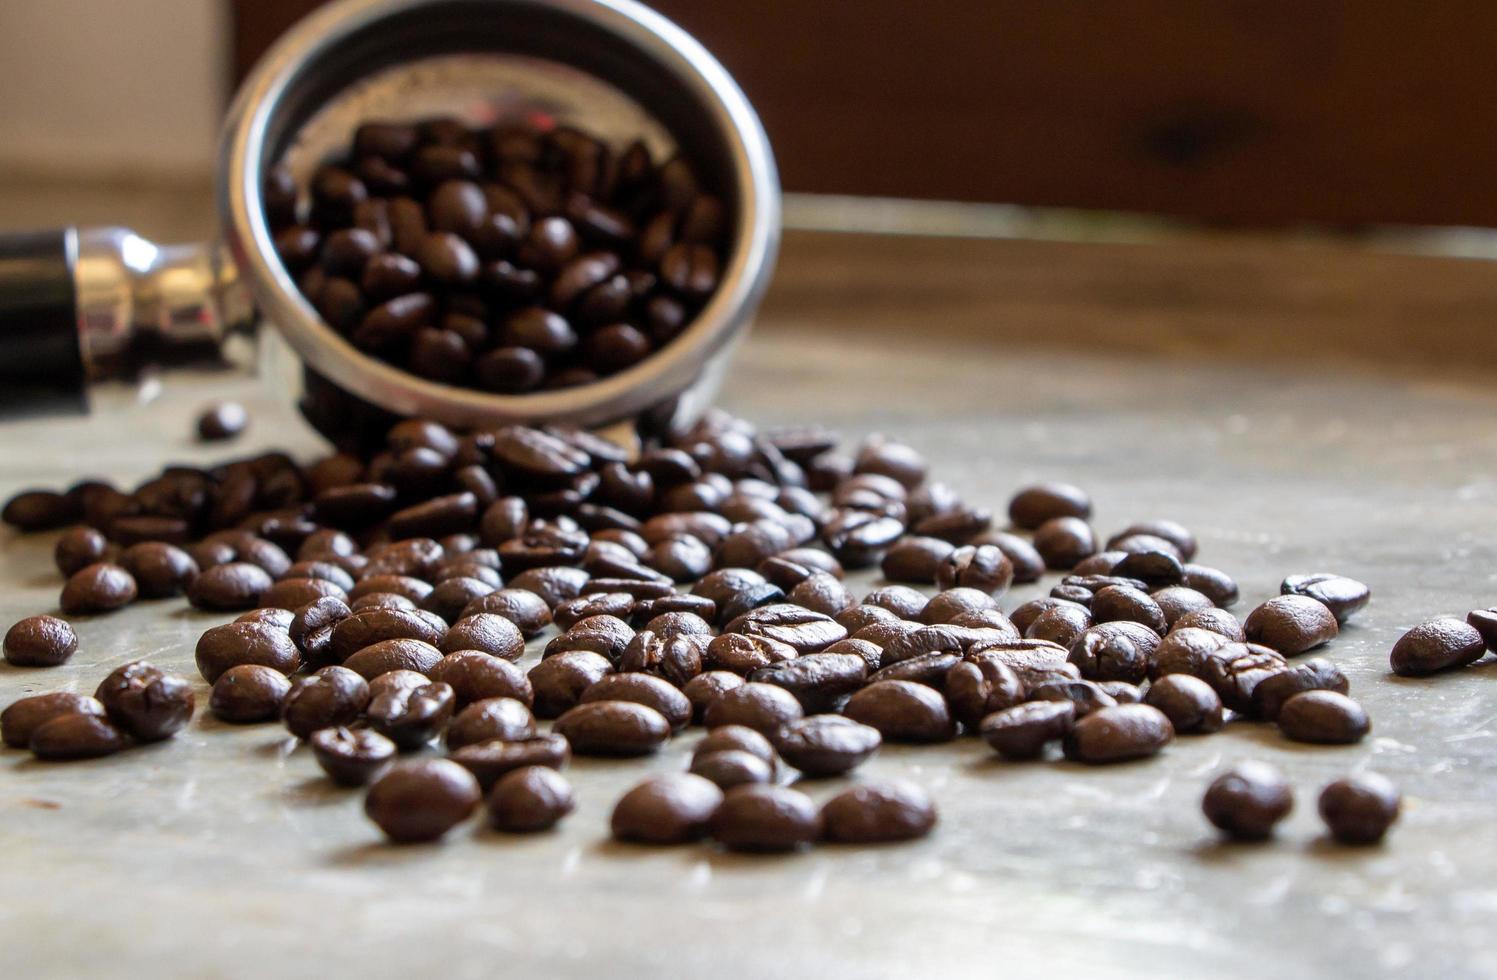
{"points": [[1235, 111]]}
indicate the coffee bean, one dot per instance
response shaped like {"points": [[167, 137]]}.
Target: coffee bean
{"points": [[1190, 704], [826, 745], [504, 719], [248, 693], [1324, 717], [1023, 731], [1033, 506], [902, 711], [490, 633], [1156, 569], [38, 510], [1123, 603], [364, 629], [1064, 541], [948, 605], [236, 644], [528, 611], [1186, 651], [984, 568], [1214, 584], [146, 703], [230, 587], [1246, 801], [413, 716], [474, 675], [421, 800], [1359, 809], [76, 735], [915, 559], [765, 818], [221, 421], [1439, 644], [332, 697], [351, 757], [1484, 621], [1118, 734], [613, 728], [706, 687], [1179, 536], [731, 768], [642, 689], [78, 548], [1315, 674], [160, 570], [1118, 651], [1236, 669], [98, 588], [1217, 621], [1290, 624], [879, 813], [490, 760], [674, 808], [819, 681], [40, 641], [530, 799], [1061, 624], [21, 718], [1179, 601], [559, 680], [1344, 597]]}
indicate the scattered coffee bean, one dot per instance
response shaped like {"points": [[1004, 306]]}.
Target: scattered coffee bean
{"points": [[731, 768], [23, 717], [350, 756], [78, 548], [1439, 644], [760, 817], [1310, 675], [878, 813], [146, 703], [1359, 809], [1064, 541], [1344, 597], [230, 587], [330, 698], [1325, 717], [530, 799], [1246, 801], [1190, 704], [421, 800], [1290, 624], [1023, 731], [1118, 734], [675, 808], [826, 745], [1033, 506], [248, 693], [902, 711], [40, 641], [492, 718], [488, 761], [98, 588], [76, 735], [613, 728]]}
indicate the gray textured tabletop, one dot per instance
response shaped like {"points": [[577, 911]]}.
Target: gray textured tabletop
{"points": [[223, 853]]}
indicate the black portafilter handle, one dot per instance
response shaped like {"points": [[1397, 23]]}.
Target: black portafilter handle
{"points": [[42, 367]]}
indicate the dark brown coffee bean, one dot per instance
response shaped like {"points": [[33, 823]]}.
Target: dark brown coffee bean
{"points": [[1061, 623], [1439, 644], [616, 604], [730, 768], [642, 689], [528, 611], [915, 559], [1359, 810], [76, 735], [819, 681], [1214, 584], [706, 687], [1290, 624], [1186, 651], [1178, 601], [475, 675], [421, 800], [827, 745], [902, 711], [977, 688], [248, 693], [230, 587], [293, 593], [1155, 568], [947, 605], [38, 510], [613, 728], [235, 644], [762, 707], [146, 703], [984, 568], [822, 593], [23, 717], [1064, 541], [40, 641], [78, 548], [674, 808], [1123, 603], [160, 569], [765, 818], [858, 539], [1118, 734], [98, 588], [354, 505], [1484, 621], [803, 629], [1117, 651], [530, 799], [489, 761], [491, 718], [1022, 731], [413, 716], [559, 681], [1247, 801], [1344, 597], [390, 655], [1033, 506], [1236, 669], [1315, 674], [879, 813], [1323, 717], [364, 629], [1190, 704], [332, 697], [744, 653], [487, 632], [351, 757], [1217, 621]]}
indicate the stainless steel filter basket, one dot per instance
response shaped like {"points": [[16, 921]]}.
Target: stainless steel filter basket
{"points": [[613, 67]]}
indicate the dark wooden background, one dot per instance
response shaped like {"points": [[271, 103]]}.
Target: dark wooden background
{"points": [[1339, 111]]}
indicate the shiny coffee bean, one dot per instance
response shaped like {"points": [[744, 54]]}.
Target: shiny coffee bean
{"points": [[674, 808], [1323, 717], [248, 693], [40, 641], [1248, 800], [765, 818], [1118, 734], [1290, 624], [878, 813], [21, 718], [1190, 704], [421, 800], [1440, 644], [146, 703], [1359, 809]]}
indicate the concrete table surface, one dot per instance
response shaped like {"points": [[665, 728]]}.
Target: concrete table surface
{"points": [[222, 853]]}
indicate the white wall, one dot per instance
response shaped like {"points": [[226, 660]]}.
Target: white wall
{"points": [[111, 88]]}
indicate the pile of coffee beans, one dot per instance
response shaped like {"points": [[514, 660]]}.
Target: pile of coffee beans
{"points": [[1248, 800], [136, 703], [509, 259], [386, 600]]}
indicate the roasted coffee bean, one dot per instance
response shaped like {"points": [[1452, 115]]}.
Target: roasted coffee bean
{"points": [[1484, 621], [762, 707], [1217, 621], [1178, 601], [907, 603], [293, 593], [743, 653], [1064, 541], [765, 818], [248, 693], [1310, 675], [475, 675], [977, 688], [823, 593], [411, 717], [948, 605], [38, 510], [558, 681], [98, 588], [642, 689], [984, 568], [78, 548], [1123, 603], [1023, 731], [1024, 616], [486, 632], [1290, 624], [879, 813], [1156, 569], [1344, 597], [1359, 809], [146, 703], [674, 808], [1179, 536], [1186, 651], [490, 718], [1117, 651], [528, 611], [606, 635], [530, 799], [1235, 670], [1324, 717], [390, 655], [1439, 644], [902, 711], [731, 768], [1214, 584], [364, 629], [1061, 624], [420, 800], [40, 641], [858, 539], [1190, 704], [236, 644], [707, 687], [230, 587], [827, 745], [1246, 801], [1118, 734], [915, 559], [76, 735], [331, 697], [613, 728], [351, 757], [1034, 505], [803, 629], [819, 681], [489, 761], [1086, 696], [311, 627], [23, 717], [160, 569]]}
